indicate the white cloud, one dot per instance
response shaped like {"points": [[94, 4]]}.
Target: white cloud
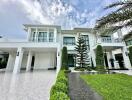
{"points": [[59, 12]]}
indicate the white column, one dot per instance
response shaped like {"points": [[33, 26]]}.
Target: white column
{"points": [[9, 63], [29, 34], [18, 60], [55, 35], [36, 35], [126, 57], [28, 67], [58, 59], [93, 57], [109, 56]]}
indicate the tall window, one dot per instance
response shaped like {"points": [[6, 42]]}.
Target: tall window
{"points": [[69, 40], [51, 36], [86, 39], [33, 36], [40, 37]]}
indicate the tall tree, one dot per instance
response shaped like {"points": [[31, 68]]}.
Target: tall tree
{"points": [[82, 53], [64, 63], [121, 17]]}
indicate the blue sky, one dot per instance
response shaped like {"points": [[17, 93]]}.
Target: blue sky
{"points": [[67, 13]]}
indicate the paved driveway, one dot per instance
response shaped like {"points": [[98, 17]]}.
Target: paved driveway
{"points": [[26, 86]]}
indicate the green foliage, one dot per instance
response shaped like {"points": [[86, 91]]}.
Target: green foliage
{"points": [[59, 87], [59, 96], [59, 91], [130, 54], [99, 58], [111, 86], [62, 80], [64, 58], [122, 14], [82, 52]]}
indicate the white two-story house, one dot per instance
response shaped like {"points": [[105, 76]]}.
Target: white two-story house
{"points": [[42, 50]]}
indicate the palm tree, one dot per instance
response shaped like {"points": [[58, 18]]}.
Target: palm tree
{"points": [[118, 19]]}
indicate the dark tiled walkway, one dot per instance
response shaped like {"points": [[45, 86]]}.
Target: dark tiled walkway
{"points": [[79, 90]]}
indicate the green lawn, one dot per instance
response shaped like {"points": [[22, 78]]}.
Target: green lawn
{"points": [[112, 86]]}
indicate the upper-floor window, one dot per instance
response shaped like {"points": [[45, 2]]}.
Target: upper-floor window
{"points": [[129, 42], [69, 40], [106, 39], [42, 37], [86, 39], [33, 36], [51, 36]]}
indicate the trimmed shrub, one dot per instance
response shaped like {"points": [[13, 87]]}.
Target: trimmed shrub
{"points": [[99, 58], [59, 87], [64, 59], [62, 80], [130, 54], [59, 96]]}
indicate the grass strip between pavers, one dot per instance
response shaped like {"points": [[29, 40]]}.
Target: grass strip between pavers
{"points": [[111, 86]]}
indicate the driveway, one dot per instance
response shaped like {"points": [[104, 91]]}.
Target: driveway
{"points": [[27, 85]]}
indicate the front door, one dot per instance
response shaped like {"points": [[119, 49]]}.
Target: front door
{"points": [[119, 58], [70, 60]]}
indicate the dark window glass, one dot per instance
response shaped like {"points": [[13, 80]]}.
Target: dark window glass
{"points": [[69, 40]]}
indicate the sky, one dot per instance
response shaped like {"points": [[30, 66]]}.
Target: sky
{"points": [[66, 13]]}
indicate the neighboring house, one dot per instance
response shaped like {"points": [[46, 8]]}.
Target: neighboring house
{"points": [[42, 50]]}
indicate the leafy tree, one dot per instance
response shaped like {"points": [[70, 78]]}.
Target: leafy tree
{"points": [[121, 17], [99, 58], [64, 58], [130, 54], [81, 53]]}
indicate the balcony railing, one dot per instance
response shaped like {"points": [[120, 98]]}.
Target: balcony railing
{"points": [[42, 39], [110, 40]]}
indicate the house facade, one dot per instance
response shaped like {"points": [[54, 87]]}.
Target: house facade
{"points": [[42, 49]]}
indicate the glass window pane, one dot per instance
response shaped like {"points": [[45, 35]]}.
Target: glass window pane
{"points": [[69, 40], [51, 36]]}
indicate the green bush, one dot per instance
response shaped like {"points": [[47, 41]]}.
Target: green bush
{"points": [[62, 80], [59, 87], [64, 58], [59, 96], [99, 58], [130, 54]]}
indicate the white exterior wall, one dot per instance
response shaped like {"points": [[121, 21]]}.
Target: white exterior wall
{"points": [[44, 60]]}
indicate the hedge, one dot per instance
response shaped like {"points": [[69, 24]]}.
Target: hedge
{"points": [[59, 90]]}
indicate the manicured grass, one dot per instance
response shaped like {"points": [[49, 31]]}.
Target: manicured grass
{"points": [[112, 86]]}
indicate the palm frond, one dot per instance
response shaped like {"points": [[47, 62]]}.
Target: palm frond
{"points": [[114, 18], [119, 3], [110, 30]]}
